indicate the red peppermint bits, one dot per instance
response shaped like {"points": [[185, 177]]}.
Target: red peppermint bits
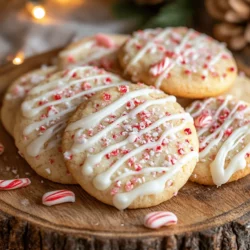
{"points": [[71, 59], [68, 156], [203, 121], [231, 69], [40, 103], [158, 149], [137, 167], [108, 80], [187, 131], [114, 191], [158, 68], [85, 86], [228, 132], [187, 72], [242, 107], [106, 96], [104, 40], [129, 186], [1, 148], [123, 89], [224, 114], [115, 152], [58, 197], [14, 184], [42, 128], [181, 151]]}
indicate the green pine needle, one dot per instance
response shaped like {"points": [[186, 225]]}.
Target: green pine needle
{"points": [[176, 13]]}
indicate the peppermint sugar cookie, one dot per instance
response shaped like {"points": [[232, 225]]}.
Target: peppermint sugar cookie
{"points": [[44, 114], [99, 50], [131, 146], [179, 61], [223, 127], [17, 92], [240, 88]]}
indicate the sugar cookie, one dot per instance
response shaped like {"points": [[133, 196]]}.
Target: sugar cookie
{"points": [[99, 50], [179, 61], [131, 146], [17, 92], [223, 127], [44, 114]]}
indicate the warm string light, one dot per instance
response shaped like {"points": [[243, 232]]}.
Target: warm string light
{"points": [[37, 11], [19, 58]]}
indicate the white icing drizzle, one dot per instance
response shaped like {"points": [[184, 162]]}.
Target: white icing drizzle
{"points": [[140, 54], [194, 52], [32, 127], [79, 147], [93, 52], [91, 160], [56, 122], [36, 146], [177, 50], [219, 171], [106, 178], [95, 118], [103, 180], [123, 200]]}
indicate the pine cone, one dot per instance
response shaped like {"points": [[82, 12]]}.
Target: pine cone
{"points": [[234, 25]]}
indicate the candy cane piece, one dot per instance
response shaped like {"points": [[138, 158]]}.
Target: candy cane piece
{"points": [[14, 184], [160, 67], [104, 40], [159, 219], [58, 197], [1, 148], [203, 121]]}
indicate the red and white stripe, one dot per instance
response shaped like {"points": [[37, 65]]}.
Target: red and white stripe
{"points": [[104, 40], [160, 67], [203, 121], [14, 184], [159, 219], [1, 148], [58, 197]]}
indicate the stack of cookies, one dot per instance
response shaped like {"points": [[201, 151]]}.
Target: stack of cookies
{"points": [[110, 116]]}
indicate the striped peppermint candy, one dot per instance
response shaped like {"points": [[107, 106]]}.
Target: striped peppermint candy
{"points": [[160, 67], [203, 121], [1, 148], [159, 219], [104, 40], [58, 197], [14, 184]]}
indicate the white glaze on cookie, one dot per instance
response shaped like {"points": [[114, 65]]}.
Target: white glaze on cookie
{"points": [[131, 143], [223, 140], [99, 50], [182, 48], [58, 99], [18, 91]]}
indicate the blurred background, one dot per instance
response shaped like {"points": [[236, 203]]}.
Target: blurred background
{"points": [[35, 26]]}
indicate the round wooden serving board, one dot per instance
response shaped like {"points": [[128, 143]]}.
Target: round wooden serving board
{"points": [[209, 217]]}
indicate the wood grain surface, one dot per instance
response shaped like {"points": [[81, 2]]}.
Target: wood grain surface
{"points": [[209, 217]]}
